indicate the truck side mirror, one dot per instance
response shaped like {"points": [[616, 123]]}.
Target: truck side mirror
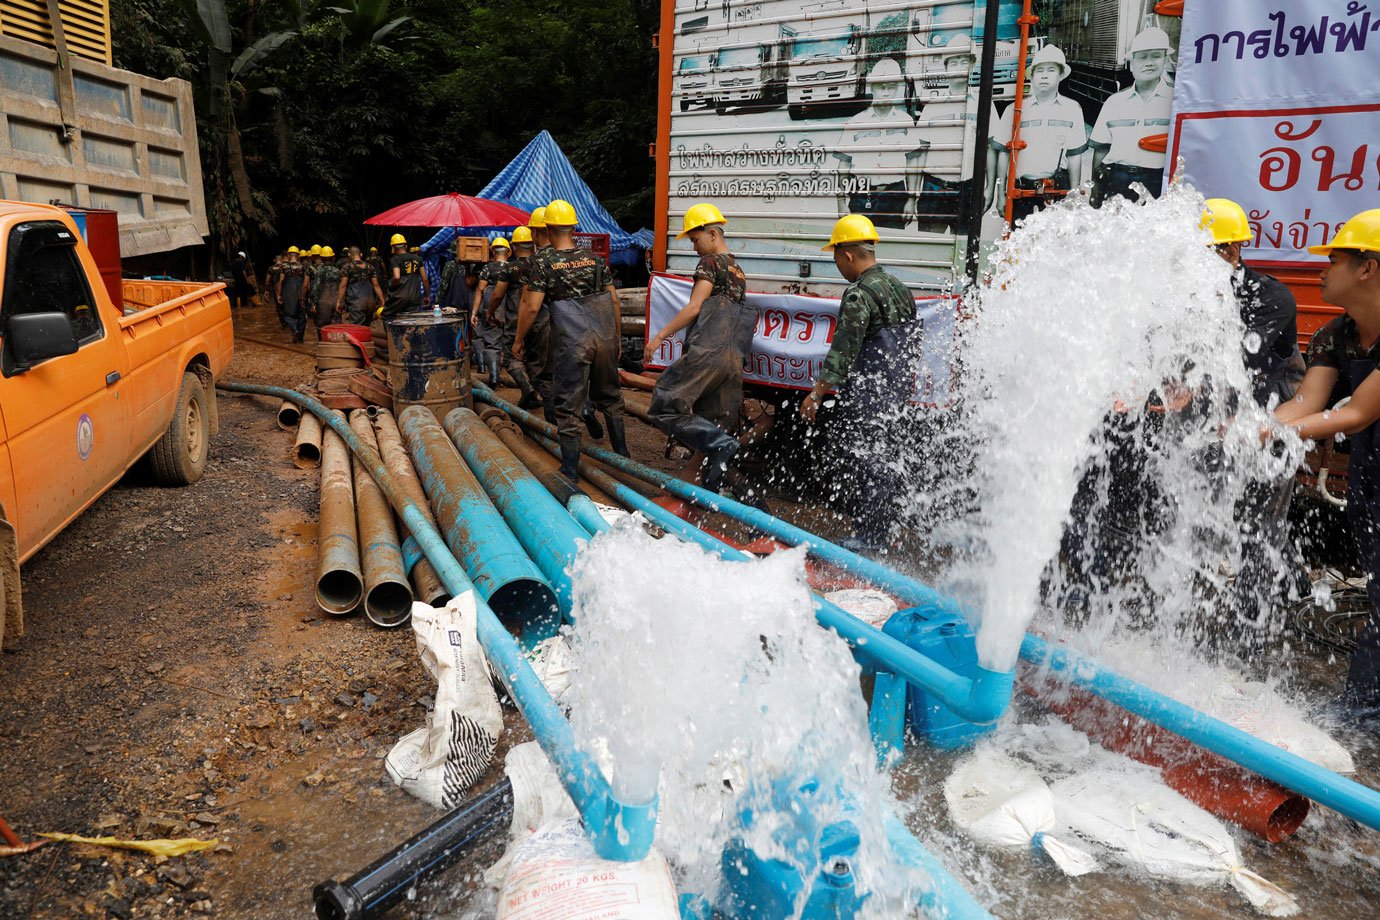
{"points": [[31, 338]]}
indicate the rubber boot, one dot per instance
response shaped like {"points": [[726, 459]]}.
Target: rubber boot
{"points": [[717, 461], [491, 357], [591, 419], [570, 459], [618, 436], [529, 398]]}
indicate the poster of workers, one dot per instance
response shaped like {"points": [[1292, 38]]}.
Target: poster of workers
{"points": [[1251, 77], [790, 114]]}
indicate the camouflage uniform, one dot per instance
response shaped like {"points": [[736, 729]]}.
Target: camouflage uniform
{"points": [[408, 294], [294, 274], [873, 359], [697, 400], [585, 341], [325, 286], [538, 360], [359, 302]]}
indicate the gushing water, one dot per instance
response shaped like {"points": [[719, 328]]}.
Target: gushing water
{"points": [[716, 673], [1106, 400]]}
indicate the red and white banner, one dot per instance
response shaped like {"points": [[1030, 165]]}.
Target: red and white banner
{"points": [[1277, 107], [794, 333]]}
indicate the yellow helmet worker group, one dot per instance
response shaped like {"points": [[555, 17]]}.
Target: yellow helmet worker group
{"points": [[1227, 221]]}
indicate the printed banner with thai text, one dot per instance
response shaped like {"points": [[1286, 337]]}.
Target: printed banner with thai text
{"points": [[794, 332], [1277, 106]]}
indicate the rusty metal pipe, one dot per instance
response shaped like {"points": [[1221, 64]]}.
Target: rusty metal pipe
{"points": [[339, 585], [427, 586], [476, 533], [306, 450], [387, 594], [289, 416]]}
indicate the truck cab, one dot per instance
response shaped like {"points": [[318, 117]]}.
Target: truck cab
{"points": [[694, 78], [753, 74]]}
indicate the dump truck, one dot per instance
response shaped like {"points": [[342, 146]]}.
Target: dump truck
{"points": [[89, 385]]}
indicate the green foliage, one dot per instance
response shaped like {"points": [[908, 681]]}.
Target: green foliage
{"points": [[317, 113]]}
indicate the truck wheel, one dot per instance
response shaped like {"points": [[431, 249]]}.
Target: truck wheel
{"points": [[796, 112], [179, 457]]}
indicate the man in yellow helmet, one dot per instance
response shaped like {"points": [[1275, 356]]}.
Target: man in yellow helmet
{"points": [[696, 401], [1272, 358], [577, 286], [1344, 355], [292, 292], [871, 361], [325, 290], [407, 287], [487, 325], [507, 283]]}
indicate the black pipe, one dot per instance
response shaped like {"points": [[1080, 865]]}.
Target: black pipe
{"points": [[375, 889], [978, 192]]}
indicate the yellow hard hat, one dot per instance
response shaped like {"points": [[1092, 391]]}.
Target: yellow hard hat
{"points": [[397, 239], [415, 249], [522, 235], [293, 249], [316, 249], [1227, 221], [852, 228], [1361, 232], [373, 249], [560, 213], [700, 215], [500, 243], [328, 252], [538, 219]]}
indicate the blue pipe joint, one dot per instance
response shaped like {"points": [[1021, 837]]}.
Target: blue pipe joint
{"points": [[950, 720], [620, 831], [411, 554]]}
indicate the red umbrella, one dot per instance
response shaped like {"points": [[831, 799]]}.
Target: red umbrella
{"points": [[451, 210]]}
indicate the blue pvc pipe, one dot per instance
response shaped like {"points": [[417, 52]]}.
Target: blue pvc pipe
{"points": [[583, 510], [870, 645], [618, 831], [980, 699], [1358, 802], [542, 524], [475, 532], [945, 897]]}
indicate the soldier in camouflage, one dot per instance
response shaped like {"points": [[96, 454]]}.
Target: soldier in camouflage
{"points": [[578, 287], [325, 290], [291, 293], [872, 363], [508, 284], [407, 287], [487, 326], [697, 400], [358, 293]]}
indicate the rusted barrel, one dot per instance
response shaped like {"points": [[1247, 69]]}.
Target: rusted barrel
{"points": [[427, 364]]}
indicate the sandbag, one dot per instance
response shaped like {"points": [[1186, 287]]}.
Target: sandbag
{"points": [[554, 664], [440, 761], [871, 606], [1002, 803], [1126, 808], [556, 873]]}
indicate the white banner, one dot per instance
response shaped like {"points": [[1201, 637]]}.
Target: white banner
{"points": [[794, 332], [1277, 107]]}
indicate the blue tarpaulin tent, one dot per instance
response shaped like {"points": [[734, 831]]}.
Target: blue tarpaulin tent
{"points": [[534, 178]]}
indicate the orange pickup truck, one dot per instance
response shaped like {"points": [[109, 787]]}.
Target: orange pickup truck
{"points": [[89, 387]]}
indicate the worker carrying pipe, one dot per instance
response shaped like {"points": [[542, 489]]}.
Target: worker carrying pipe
{"points": [[578, 288], [871, 362], [697, 400], [1345, 352]]}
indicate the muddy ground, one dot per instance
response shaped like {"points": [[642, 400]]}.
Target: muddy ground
{"points": [[177, 679]]}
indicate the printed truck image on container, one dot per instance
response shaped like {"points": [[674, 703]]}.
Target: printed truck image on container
{"points": [[752, 75], [827, 71]]}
